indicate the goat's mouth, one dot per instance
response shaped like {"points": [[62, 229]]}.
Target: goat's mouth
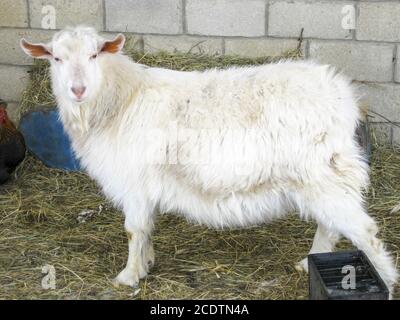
{"points": [[79, 100]]}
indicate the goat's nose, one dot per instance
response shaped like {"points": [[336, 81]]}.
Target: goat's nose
{"points": [[78, 91]]}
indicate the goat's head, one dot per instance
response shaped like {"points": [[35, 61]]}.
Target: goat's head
{"points": [[75, 56]]}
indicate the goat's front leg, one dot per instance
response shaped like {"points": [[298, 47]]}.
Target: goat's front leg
{"points": [[138, 226]]}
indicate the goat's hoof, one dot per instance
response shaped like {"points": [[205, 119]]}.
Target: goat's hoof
{"points": [[126, 278], [302, 266]]}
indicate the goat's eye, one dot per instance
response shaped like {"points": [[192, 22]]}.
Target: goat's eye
{"points": [[57, 59], [93, 56]]}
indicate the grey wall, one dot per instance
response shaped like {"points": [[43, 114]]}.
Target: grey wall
{"points": [[369, 53]]}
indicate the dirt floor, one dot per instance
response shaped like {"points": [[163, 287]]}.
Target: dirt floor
{"points": [[50, 217]]}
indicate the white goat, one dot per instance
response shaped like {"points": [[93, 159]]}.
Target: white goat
{"points": [[225, 148]]}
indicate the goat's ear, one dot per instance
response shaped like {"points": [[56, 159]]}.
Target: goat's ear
{"points": [[114, 46], [39, 51]]}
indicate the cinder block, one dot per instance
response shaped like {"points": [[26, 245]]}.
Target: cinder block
{"points": [[14, 13], [67, 13], [383, 98], [150, 16], [13, 80], [397, 73], [11, 52], [266, 47], [361, 61], [319, 19], [183, 44], [226, 17], [379, 21]]}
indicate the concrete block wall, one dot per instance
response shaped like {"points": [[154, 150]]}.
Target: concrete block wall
{"points": [[360, 37]]}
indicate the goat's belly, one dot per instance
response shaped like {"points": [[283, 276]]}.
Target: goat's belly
{"points": [[232, 210]]}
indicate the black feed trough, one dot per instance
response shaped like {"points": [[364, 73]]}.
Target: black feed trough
{"points": [[346, 275]]}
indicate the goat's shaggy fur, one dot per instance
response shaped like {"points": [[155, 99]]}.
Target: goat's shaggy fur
{"points": [[225, 148]]}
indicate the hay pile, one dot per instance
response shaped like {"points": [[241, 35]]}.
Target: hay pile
{"points": [[61, 219]]}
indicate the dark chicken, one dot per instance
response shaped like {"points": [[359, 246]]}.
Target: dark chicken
{"points": [[12, 145]]}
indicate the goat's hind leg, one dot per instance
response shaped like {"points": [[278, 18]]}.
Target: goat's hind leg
{"points": [[324, 241], [343, 213]]}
